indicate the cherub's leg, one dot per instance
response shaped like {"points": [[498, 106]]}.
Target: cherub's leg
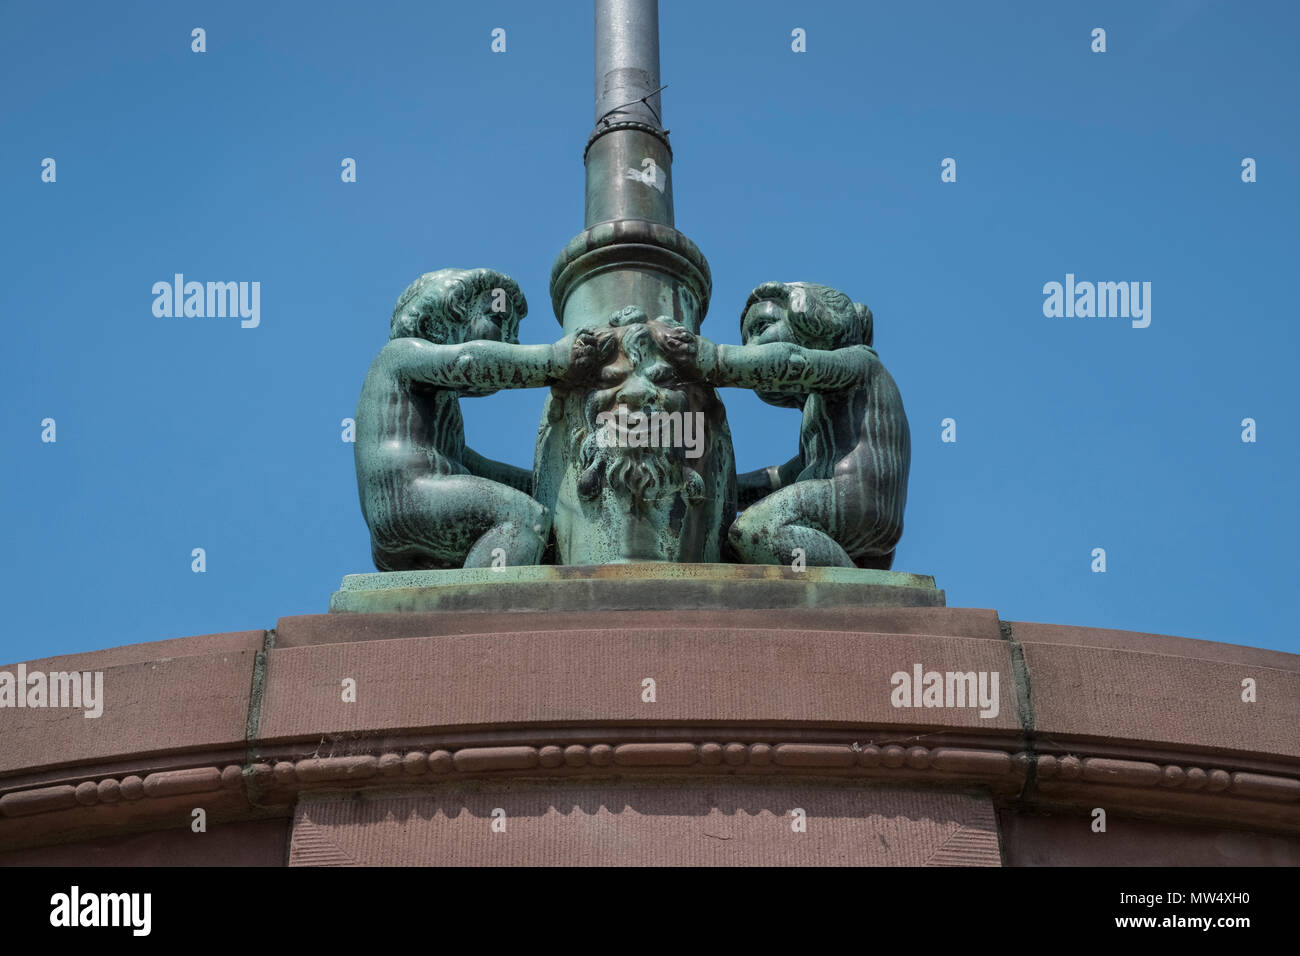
{"points": [[460, 521], [801, 515], [869, 519]]}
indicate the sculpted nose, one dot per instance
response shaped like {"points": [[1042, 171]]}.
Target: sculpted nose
{"points": [[636, 392]]}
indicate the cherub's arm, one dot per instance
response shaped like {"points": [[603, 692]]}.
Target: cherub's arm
{"points": [[752, 486], [511, 475], [781, 366], [480, 364]]}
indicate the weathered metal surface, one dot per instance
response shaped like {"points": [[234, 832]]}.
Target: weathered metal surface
{"points": [[630, 587], [627, 60], [840, 500], [428, 499]]}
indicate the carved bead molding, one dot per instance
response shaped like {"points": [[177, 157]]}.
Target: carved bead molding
{"points": [[1138, 773], [22, 803], [945, 765]]}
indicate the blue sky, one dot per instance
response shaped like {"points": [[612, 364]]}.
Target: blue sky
{"points": [[1072, 434]]}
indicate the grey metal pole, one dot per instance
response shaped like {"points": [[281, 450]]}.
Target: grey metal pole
{"points": [[629, 253], [627, 61], [629, 161]]}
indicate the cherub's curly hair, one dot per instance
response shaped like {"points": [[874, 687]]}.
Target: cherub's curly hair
{"points": [[826, 318], [437, 300]]}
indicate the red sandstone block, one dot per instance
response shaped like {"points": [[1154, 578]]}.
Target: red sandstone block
{"points": [[167, 704], [1163, 699], [711, 824], [699, 674], [1067, 839], [1152, 644], [251, 843], [233, 641]]}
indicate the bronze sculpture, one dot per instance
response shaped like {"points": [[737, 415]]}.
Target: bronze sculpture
{"points": [[429, 500], [630, 292], [432, 502], [840, 500]]}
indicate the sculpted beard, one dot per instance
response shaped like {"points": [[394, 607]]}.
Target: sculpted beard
{"points": [[640, 475]]}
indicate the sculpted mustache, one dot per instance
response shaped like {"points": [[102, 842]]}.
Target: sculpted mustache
{"points": [[591, 450]]}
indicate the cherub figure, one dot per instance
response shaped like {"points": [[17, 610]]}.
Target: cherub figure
{"points": [[429, 500], [841, 498]]}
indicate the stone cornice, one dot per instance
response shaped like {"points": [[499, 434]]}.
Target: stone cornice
{"points": [[1190, 789]]}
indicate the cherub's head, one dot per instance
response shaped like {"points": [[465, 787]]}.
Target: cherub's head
{"points": [[452, 306], [805, 314]]}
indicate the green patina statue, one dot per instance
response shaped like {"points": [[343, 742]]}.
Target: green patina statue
{"points": [[634, 459], [431, 501], [841, 498]]}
